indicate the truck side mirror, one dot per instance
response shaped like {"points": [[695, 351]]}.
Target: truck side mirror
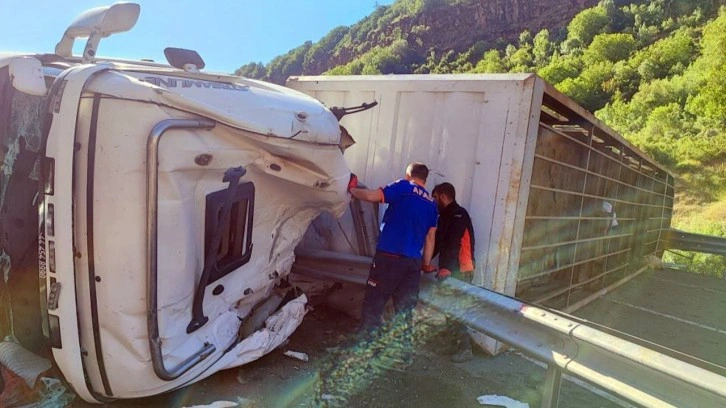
{"points": [[95, 24], [26, 75]]}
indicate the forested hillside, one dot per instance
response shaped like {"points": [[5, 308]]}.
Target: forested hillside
{"points": [[654, 70], [413, 36]]}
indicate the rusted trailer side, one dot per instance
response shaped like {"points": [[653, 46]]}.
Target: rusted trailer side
{"points": [[582, 168]]}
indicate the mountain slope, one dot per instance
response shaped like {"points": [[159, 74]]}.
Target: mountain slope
{"points": [[426, 26]]}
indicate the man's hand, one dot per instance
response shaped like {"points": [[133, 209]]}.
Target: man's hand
{"points": [[353, 183], [443, 274], [428, 268]]}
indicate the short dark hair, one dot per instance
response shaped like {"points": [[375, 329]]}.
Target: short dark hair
{"points": [[446, 189], [418, 170]]}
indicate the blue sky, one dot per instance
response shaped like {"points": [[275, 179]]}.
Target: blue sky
{"points": [[226, 33]]}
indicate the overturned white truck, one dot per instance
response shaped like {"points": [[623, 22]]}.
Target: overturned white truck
{"points": [[169, 203]]}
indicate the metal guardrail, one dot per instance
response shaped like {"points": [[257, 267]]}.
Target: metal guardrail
{"points": [[636, 373], [686, 241]]}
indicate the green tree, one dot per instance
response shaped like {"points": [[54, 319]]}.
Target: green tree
{"points": [[447, 63], [521, 59], [561, 68], [588, 89], [490, 63], [254, 70], [663, 127], [354, 67], [630, 117], [572, 46], [587, 24], [666, 57], [649, 13], [609, 47], [321, 51], [625, 81], [619, 20], [542, 48], [281, 67], [710, 72], [410, 7], [466, 60], [427, 66], [394, 59]]}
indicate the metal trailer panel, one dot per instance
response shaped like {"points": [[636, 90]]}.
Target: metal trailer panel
{"points": [[532, 167], [471, 130]]}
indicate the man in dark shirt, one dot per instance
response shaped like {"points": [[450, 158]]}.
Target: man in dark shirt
{"points": [[409, 226], [455, 247]]}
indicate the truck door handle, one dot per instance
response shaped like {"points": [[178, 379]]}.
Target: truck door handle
{"points": [[152, 200]]}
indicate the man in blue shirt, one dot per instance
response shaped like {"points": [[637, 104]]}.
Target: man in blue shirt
{"points": [[409, 226]]}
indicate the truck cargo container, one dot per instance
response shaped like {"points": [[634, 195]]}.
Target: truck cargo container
{"points": [[536, 171]]}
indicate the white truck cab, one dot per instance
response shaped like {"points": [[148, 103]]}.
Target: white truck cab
{"points": [[170, 203]]}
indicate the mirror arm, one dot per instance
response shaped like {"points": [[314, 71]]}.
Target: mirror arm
{"points": [[65, 47], [89, 52]]}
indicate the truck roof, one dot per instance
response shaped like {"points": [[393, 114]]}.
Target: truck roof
{"points": [[255, 106]]}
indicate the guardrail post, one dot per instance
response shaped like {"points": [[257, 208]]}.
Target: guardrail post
{"points": [[551, 394]]}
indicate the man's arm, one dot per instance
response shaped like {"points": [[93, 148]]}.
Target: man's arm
{"points": [[374, 196], [428, 252]]}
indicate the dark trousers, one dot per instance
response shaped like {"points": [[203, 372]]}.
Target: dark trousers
{"points": [[390, 277], [458, 332]]}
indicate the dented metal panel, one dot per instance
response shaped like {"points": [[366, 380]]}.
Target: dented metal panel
{"points": [[266, 110], [471, 130]]}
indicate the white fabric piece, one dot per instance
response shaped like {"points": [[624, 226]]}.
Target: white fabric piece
{"points": [[5, 265], [216, 404], [278, 328], [607, 208], [297, 355], [22, 362], [502, 401]]}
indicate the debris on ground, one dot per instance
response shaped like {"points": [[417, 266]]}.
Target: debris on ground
{"points": [[239, 403], [674, 266], [217, 404], [14, 391], [654, 262], [501, 401], [52, 393], [341, 374], [24, 385], [297, 355], [22, 362]]}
